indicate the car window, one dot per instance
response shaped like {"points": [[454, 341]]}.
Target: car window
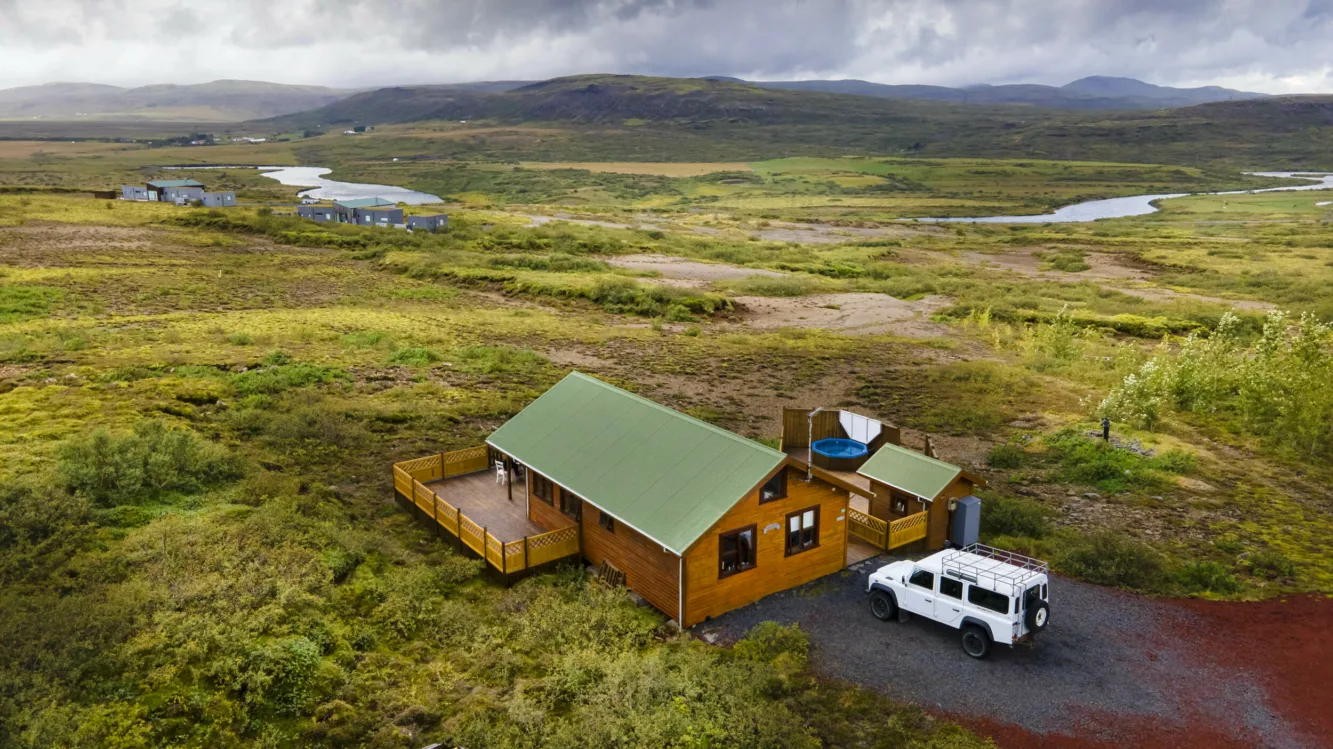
{"points": [[988, 599], [922, 578], [951, 588]]}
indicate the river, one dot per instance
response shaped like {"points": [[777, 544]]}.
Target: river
{"points": [[1135, 205], [330, 189]]}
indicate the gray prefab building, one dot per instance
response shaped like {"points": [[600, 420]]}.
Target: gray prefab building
{"points": [[429, 223], [136, 192], [182, 194], [378, 216], [218, 199], [320, 213]]}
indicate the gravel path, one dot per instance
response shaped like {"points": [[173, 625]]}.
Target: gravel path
{"points": [[1108, 664]]}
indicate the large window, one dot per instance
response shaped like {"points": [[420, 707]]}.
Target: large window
{"points": [[774, 488], [802, 530], [988, 599], [735, 551], [541, 488], [571, 504]]}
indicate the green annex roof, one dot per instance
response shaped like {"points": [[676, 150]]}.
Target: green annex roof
{"points": [[667, 475], [909, 471], [160, 183], [364, 203]]}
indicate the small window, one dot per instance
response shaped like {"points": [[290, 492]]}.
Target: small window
{"points": [[802, 531], [541, 488], [735, 551], [922, 579], [607, 522], [571, 504], [775, 488], [988, 599], [951, 588]]}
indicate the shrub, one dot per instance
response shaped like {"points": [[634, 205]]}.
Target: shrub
{"points": [[1110, 558], [271, 380], [496, 359], [1096, 463], [1272, 564], [1176, 461], [1009, 516], [414, 356], [1005, 456], [113, 470], [768, 641], [784, 286], [1207, 577]]}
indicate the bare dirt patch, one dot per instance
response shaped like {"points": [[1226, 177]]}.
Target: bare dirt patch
{"points": [[694, 272], [830, 234], [859, 314], [1025, 262]]}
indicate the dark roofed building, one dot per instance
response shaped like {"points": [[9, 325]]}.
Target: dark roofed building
{"points": [[428, 223]]}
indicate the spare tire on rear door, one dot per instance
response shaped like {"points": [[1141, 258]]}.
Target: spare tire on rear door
{"points": [[1038, 615]]}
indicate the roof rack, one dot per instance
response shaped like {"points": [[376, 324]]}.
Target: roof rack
{"points": [[963, 564]]}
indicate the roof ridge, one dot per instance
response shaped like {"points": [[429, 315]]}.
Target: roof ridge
{"points": [[922, 456], [679, 414]]}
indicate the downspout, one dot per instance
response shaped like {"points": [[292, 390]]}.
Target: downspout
{"points": [[680, 590], [810, 445]]}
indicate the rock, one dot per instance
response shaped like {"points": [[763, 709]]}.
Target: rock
{"points": [[710, 638], [638, 599], [1091, 495]]}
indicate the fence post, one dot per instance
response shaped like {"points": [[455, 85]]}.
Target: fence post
{"points": [[526, 562], [441, 465]]}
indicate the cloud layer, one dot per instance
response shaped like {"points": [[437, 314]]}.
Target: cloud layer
{"points": [[1277, 46]]}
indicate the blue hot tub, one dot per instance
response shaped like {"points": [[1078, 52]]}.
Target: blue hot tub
{"points": [[837, 454]]}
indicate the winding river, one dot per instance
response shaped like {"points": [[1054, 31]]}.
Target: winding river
{"points": [[331, 189], [1136, 205]]}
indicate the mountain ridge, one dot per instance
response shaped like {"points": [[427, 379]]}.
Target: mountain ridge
{"points": [[222, 100]]}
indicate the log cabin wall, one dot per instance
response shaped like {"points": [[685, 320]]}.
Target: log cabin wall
{"points": [[708, 594], [547, 515], [650, 570]]}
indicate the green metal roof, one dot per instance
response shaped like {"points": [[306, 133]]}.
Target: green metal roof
{"points": [[909, 471], [667, 475], [364, 203], [160, 183]]}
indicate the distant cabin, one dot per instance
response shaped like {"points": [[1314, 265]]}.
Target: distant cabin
{"points": [[428, 223]]}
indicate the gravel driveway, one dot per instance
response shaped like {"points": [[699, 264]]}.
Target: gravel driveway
{"points": [[1108, 665]]}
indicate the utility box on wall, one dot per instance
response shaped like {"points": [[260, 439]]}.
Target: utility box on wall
{"points": [[966, 522]]}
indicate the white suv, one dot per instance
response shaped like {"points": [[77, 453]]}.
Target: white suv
{"points": [[989, 594]]}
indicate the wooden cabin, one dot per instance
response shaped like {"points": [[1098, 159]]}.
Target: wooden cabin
{"points": [[698, 519], [904, 483]]}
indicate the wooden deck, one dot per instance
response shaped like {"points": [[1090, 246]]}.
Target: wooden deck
{"points": [[487, 504], [855, 479], [859, 551]]}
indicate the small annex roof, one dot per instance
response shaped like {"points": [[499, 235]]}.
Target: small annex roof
{"points": [[364, 203], [910, 471], [164, 183], [667, 475]]}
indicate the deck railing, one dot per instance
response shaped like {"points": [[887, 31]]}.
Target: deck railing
{"points": [[906, 530], [883, 534], [409, 479]]}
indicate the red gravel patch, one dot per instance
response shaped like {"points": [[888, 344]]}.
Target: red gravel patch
{"points": [[1287, 643]]}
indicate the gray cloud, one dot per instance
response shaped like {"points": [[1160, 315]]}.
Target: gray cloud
{"points": [[1267, 45]]}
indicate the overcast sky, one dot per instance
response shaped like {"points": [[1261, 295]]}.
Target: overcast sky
{"points": [[1276, 46]]}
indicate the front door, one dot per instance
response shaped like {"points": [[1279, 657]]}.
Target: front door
{"points": [[919, 593]]}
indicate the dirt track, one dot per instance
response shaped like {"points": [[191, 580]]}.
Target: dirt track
{"points": [[1112, 670]]}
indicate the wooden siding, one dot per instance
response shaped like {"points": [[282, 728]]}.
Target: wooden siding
{"points": [[650, 570], [547, 516], [884, 505], [706, 595]]}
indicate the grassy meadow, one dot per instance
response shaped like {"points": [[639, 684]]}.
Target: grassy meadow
{"points": [[198, 543]]}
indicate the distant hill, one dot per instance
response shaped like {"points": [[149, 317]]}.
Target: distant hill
{"points": [[219, 101], [1095, 92], [619, 117]]}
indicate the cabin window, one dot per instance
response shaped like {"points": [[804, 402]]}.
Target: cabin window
{"points": [[571, 504], [922, 579], [951, 588], [607, 522], [988, 599], [802, 530], [735, 551], [541, 488], [774, 488]]}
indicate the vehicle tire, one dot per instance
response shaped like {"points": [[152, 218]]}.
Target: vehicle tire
{"points": [[882, 605], [976, 642], [1038, 616]]}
